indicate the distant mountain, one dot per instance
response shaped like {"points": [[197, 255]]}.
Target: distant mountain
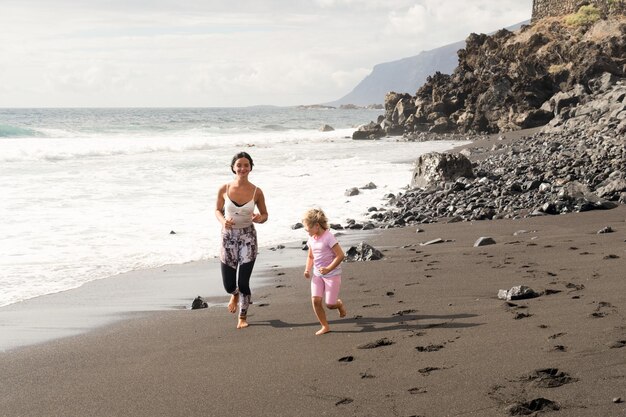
{"points": [[405, 75]]}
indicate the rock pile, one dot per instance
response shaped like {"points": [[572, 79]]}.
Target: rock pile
{"points": [[576, 163]]}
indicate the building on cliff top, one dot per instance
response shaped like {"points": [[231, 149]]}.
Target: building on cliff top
{"points": [[545, 8]]}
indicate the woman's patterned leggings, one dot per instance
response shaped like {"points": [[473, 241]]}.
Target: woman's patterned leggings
{"points": [[237, 256]]}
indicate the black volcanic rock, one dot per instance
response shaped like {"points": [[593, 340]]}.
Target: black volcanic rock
{"points": [[503, 81], [574, 164]]}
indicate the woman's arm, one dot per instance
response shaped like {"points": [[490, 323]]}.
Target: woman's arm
{"points": [[261, 216], [219, 208]]}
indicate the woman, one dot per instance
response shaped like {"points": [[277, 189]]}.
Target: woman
{"points": [[235, 210]]}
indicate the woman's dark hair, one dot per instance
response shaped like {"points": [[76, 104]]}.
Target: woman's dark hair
{"points": [[239, 156]]}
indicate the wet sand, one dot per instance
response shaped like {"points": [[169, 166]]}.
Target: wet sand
{"points": [[425, 335]]}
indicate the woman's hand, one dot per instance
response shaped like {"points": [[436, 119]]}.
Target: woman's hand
{"points": [[228, 223], [259, 218]]}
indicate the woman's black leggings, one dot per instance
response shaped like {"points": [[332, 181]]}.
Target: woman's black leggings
{"points": [[230, 281]]}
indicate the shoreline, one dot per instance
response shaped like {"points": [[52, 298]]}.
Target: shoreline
{"points": [[169, 287], [423, 324], [135, 294], [104, 301]]}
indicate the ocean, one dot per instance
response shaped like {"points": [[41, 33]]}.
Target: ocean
{"points": [[91, 193]]}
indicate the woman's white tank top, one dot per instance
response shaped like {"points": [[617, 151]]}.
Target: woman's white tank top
{"points": [[241, 215]]}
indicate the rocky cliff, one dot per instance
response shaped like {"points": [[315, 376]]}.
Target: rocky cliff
{"points": [[504, 81], [568, 79], [406, 74]]}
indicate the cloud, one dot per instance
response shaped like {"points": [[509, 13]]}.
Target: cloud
{"points": [[204, 53]]}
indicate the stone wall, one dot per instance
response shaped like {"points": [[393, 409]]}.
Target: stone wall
{"points": [[545, 8]]}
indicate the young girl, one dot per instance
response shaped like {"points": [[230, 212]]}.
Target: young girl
{"points": [[325, 256]]}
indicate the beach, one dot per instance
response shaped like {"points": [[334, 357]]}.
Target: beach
{"points": [[495, 195], [425, 335]]}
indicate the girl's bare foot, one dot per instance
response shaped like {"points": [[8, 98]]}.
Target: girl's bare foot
{"points": [[322, 331], [341, 308], [232, 304], [242, 324]]}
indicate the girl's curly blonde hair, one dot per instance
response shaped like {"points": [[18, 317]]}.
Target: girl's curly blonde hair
{"points": [[315, 216]]}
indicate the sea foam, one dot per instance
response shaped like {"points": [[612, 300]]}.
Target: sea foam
{"points": [[90, 206]]}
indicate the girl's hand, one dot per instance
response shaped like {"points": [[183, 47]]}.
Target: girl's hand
{"points": [[307, 274], [324, 270]]}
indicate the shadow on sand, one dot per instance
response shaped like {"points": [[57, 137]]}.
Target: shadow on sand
{"points": [[377, 324]]}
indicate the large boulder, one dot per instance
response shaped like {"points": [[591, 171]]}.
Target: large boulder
{"points": [[363, 252], [369, 131], [435, 167]]}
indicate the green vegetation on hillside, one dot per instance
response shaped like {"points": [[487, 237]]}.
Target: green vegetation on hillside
{"points": [[586, 16], [615, 5]]}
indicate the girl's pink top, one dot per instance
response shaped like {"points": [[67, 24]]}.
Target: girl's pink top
{"points": [[323, 255]]}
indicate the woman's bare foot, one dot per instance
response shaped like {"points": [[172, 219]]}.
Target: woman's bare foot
{"points": [[232, 304], [242, 324], [322, 331], [341, 308]]}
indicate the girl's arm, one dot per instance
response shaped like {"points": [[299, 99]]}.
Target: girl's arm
{"points": [[261, 216], [309, 265], [339, 255]]}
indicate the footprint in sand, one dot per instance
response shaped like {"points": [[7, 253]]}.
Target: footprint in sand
{"points": [[548, 378], [346, 359], [532, 406], [574, 287], [378, 343], [403, 312], [344, 401], [417, 390], [519, 316], [601, 310], [429, 348], [428, 370], [559, 348], [510, 305], [618, 345]]}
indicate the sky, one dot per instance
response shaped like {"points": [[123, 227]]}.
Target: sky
{"points": [[217, 53]]}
